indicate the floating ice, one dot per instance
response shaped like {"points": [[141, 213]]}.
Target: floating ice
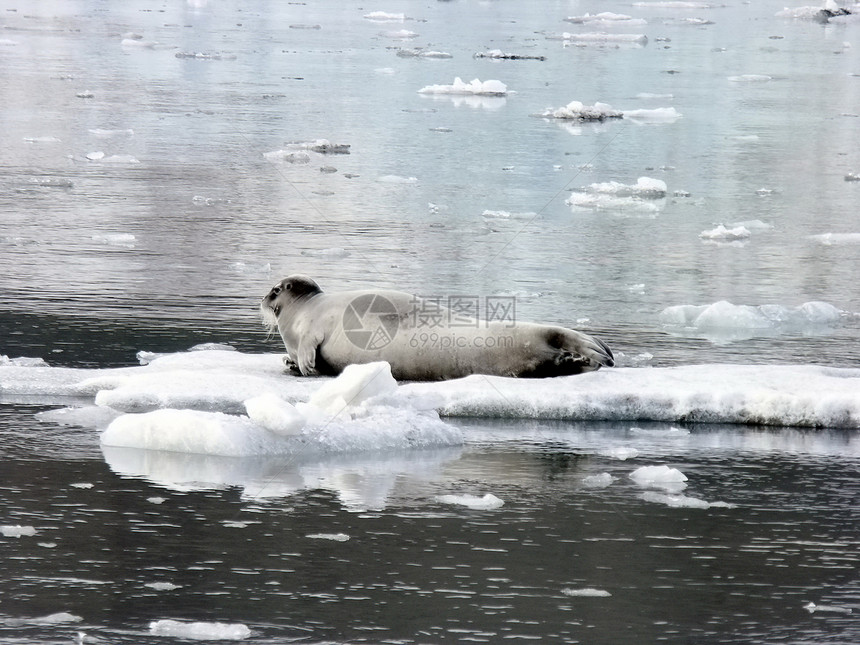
{"points": [[598, 481], [205, 55], [586, 592], [108, 133], [17, 531], [837, 239], [333, 252], [359, 410], [750, 78], [290, 156], [672, 4], [602, 38], [498, 54], [397, 179], [200, 631], [476, 88], [605, 18], [811, 607], [400, 34], [22, 361], [723, 234], [162, 586], [485, 503], [724, 320], [334, 537], [798, 395], [420, 52], [655, 115], [642, 197], [682, 501], [41, 140], [578, 111], [663, 476], [621, 453], [59, 618], [508, 215], [382, 16], [126, 240]]}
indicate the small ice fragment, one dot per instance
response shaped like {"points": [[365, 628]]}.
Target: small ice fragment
{"points": [[335, 537], [41, 140], [586, 592], [397, 179], [57, 619], [576, 110], [162, 586], [199, 631], [156, 500], [83, 485], [275, 414], [47, 545], [811, 607], [86, 94], [487, 502], [382, 16], [598, 481], [682, 501], [621, 453], [660, 477], [475, 87], [95, 156], [234, 525], [107, 133], [17, 531]]}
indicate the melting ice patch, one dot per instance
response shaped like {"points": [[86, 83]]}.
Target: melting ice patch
{"points": [[724, 321], [484, 503], [475, 88], [645, 196], [200, 631]]}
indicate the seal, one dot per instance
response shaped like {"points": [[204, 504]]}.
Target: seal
{"points": [[420, 338]]}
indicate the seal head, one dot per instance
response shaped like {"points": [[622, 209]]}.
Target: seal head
{"points": [[287, 292]]}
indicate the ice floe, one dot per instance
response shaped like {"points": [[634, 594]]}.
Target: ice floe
{"points": [[586, 592], [199, 631], [606, 19], [474, 88], [682, 501], [724, 320], [645, 196], [498, 54], [578, 111], [601, 480], [601, 38], [382, 16], [420, 52], [485, 503], [17, 531], [664, 477], [722, 234]]}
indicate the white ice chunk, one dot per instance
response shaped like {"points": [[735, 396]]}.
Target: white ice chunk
{"points": [[200, 631], [576, 110], [723, 234], [622, 453], [17, 531], [274, 414], [162, 586], [289, 156], [586, 592], [475, 87], [663, 476], [382, 16], [811, 607], [723, 316], [103, 133], [23, 361], [485, 503], [397, 179], [654, 115], [125, 240], [682, 501], [355, 386], [334, 537], [59, 618], [605, 18], [400, 34], [601, 480]]}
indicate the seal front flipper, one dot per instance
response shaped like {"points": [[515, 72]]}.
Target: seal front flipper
{"points": [[291, 366], [307, 355]]}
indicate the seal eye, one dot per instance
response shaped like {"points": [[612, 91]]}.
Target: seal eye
{"points": [[288, 286]]}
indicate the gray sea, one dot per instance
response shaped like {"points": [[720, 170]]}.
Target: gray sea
{"points": [[162, 164]]}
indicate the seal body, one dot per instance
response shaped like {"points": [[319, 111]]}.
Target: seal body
{"points": [[421, 339]]}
